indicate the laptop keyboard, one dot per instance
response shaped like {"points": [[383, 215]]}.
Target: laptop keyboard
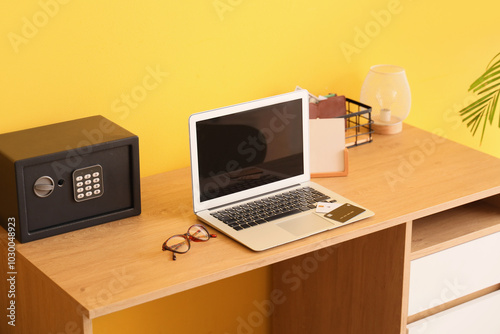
{"points": [[270, 208], [245, 184]]}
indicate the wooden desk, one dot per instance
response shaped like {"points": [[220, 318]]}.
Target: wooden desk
{"points": [[352, 279]]}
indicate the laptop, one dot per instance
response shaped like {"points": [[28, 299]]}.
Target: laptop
{"points": [[251, 176]]}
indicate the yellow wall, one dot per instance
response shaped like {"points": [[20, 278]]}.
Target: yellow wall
{"points": [[147, 65]]}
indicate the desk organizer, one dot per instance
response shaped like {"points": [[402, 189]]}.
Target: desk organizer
{"points": [[358, 123], [358, 117]]}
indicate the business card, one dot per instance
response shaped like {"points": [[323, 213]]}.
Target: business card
{"points": [[324, 207]]}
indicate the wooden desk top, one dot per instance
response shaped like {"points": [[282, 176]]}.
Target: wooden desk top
{"points": [[120, 264]]}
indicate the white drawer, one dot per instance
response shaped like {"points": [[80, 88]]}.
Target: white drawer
{"points": [[480, 316], [443, 276]]}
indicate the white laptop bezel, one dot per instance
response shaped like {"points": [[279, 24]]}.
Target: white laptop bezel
{"points": [[224, 200]]}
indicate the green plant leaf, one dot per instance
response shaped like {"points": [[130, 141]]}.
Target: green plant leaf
{"points": [[482, 111]]}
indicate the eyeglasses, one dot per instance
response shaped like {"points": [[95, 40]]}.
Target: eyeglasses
{"points": [[179, 243]]}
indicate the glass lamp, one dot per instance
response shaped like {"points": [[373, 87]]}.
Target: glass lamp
{"points": [[387, 91]]}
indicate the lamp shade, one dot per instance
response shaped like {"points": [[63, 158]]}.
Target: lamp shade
{"points": [[387, 91]]}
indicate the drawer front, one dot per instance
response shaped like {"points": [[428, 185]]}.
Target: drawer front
{"points": [[443, 276], [477, 316]]}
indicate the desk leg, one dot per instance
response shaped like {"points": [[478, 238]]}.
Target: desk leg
{"points": [[357, 286]]}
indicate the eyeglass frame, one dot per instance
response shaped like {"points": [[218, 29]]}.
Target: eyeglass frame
{"points": [[189, 238]]}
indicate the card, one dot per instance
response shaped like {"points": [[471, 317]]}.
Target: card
{"points": [[323, 207], [344, 212]]}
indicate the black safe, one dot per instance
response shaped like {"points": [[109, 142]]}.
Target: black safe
{"points": [[67, 176]]}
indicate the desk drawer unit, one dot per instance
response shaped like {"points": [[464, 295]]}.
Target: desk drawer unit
{"points": [[477, 316], [455, 272]]}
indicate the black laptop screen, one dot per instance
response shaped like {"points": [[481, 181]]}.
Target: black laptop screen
{"points": [[248, 149]]}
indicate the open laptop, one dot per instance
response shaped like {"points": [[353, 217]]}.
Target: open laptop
{"points": [[250, 167]]}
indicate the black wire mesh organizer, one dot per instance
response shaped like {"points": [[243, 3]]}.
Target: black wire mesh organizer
{"points": [[358, 123]]}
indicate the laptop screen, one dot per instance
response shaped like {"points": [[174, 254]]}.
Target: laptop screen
{"points": [[248, 149]]}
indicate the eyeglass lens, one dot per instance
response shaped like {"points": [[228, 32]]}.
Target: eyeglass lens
{"points": [[199, 232], [178, 243]]}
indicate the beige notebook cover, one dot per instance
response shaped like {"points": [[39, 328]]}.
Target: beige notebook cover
{"points": [[328, 154]]}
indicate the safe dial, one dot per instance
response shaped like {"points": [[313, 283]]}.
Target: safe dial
{"points": [[44, 186]]}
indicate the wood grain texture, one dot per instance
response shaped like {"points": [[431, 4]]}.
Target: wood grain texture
{"points": [[353, 287], [41, 305], [402, 178], [452, 227]]}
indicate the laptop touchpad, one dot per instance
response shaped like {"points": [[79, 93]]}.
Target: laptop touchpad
{"points": [[305, 225]]}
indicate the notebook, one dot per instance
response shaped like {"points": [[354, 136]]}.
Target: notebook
{"points": [[250, 174]]}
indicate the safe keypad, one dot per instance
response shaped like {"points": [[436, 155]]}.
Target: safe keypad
{"points": [[87, 183]]}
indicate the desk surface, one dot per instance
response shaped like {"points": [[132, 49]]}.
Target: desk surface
{"points": [[120, 264]]}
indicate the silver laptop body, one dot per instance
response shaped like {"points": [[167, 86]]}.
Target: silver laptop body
{"points": [[243, 156]]}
